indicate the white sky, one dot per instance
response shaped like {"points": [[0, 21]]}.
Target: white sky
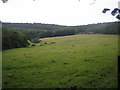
{"points": [[62, 12]]}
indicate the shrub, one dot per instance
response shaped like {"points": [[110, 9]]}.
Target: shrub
{"points": [[36, 40]]}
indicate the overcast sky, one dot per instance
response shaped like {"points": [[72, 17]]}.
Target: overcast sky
{"points": [[62, 12]]}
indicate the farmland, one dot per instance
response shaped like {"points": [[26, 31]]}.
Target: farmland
{"points": [[82, 61]]}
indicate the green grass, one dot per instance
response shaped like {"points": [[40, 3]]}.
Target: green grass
{"points": [[84, 61]]}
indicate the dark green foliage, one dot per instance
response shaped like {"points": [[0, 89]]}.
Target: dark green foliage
{"points": [[33, 44], [13, 39], [27, 31], [33, 26], [64, 32], [38, 30], [101, 28]]}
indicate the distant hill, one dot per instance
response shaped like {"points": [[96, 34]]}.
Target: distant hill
{"points": [[35, 26], [103, 28], [15, 35]]}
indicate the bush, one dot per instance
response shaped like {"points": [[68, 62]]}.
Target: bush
{"points": [[36, 40]]}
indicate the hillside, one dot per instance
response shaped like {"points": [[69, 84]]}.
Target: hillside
{"points": [[34, 26], [80, 61], [105, 28], [14, 34]]}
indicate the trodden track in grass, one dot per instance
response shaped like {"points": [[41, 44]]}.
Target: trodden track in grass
{"points": [[81, 61]]}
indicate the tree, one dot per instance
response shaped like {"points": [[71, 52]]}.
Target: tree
{"points": [[13, 39]]}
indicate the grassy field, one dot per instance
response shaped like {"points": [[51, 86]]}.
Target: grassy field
{"points": [[82, 61]]}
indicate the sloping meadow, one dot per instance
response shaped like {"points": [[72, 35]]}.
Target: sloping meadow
{"points": [[76, 61]]}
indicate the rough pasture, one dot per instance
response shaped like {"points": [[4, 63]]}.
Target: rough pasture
{"points": [[77, 61]]}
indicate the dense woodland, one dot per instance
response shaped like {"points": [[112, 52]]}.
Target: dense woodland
{"points": [[15, 35], [13, 39]]}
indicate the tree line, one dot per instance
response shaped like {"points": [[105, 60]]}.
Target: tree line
{"points": [[13, 39], [15, 35]]}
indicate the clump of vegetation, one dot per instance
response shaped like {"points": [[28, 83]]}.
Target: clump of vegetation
{"points": [[52, 42], [36, 40], [33, 45], [13, 39]]}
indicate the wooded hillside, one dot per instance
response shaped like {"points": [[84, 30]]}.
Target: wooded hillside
{"points": [[16, 34]]}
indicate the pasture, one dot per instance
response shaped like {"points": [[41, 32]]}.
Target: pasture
{"points": [[80, 61]]}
